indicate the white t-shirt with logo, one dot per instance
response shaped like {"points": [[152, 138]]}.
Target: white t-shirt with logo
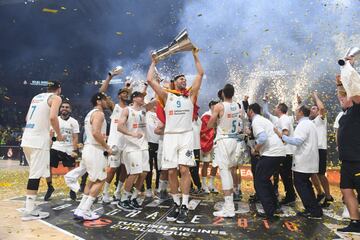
{"points": [[115, 137], [67, 128], [273, 147], [321, 129], [306, 156], [136, 123], [151, 123]]}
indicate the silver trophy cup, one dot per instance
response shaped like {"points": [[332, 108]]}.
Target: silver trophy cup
{"points": [[351, 52]]}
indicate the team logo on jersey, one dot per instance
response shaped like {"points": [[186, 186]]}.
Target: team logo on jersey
{"points": [[229, 115], [188, 153], [171, 98], [171, 112], [135, 125]]}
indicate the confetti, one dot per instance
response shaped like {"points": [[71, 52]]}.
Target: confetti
{"points": [[199, 15], [63, 8], [48, 10], [119, 33]]}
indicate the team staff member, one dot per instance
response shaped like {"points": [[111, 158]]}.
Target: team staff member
{"points": [[306, 161], [272, 152]]}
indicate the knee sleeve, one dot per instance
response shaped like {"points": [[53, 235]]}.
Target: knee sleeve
{"points": [[33, 184], [226, 179]]}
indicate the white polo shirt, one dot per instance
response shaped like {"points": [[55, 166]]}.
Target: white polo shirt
{"points": [[321, 129], [273, 147], [306, 156], [287, 123]]}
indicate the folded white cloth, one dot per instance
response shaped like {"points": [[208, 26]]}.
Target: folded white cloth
{"points": [[350, 79]]}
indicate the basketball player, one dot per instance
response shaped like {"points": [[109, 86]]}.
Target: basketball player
{"points": [[94, 160], [132, 124], [178, 135], [66, 151], [226, 116], [207, 142], [42, 114]]}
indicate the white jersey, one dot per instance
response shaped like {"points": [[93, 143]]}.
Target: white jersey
{"points": [[37, 129], [228, 123], [136, 123], [67, 128], [151, 122], [196, 124], [115, 137], [89, 138], [179, 112]]}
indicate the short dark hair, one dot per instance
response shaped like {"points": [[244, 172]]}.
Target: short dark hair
{"points": [[212, 103], [177, 76], [255, 108], [305, 110], [98, 96], [228, 90], [65, 100], [283, 107], [53, 86], [220, 94]]}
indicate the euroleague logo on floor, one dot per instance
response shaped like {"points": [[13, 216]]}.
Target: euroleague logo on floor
{"points": [[99, 223]]}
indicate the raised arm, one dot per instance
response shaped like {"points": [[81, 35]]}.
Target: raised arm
{"points": [[155, 85], [320, 105], [200, 73], [105, 85], [215, 115]]}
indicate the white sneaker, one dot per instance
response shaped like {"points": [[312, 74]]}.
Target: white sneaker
{"points": [[72, 184], [148, 193], [117, 196], [213, 190], [206, 189], [224, 213], [90, 215], [78, 214], [345, 213], [106, 199], [34, 215]]}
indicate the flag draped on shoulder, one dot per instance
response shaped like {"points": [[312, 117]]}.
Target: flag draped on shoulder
{"points": [[207, 135], [160, 104]]}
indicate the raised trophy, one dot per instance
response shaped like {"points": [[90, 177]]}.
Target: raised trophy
{"points": [[351, 52], [181, 43], [116, 71]]}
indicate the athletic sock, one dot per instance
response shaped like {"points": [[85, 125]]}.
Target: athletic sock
{"points": [[30, 203], [49, 184], [135, 194], [82, 202], [89, 202], [211, 183], [176, 198], [106, 188], [118, 187], [203, 182], [185, 200]]}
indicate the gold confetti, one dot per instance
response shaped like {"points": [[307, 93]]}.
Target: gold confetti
{"points": [[49, 10], [119, 33], [63, 8]]}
